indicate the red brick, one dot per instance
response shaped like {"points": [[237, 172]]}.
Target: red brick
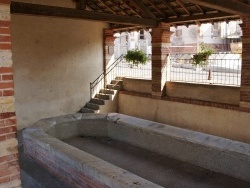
{"points": [[7, 77], [5, 38], [10, 136], [8, 122], [5, 30], [4, 179], [5, 46], [7, 85], [6, 70], [4, 23], [8, 93], [4, 1], [7, 115], [11, 157], [2, 138], [6, 130]]}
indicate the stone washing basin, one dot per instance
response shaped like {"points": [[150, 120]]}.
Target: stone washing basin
{"points": [[45, 142]]}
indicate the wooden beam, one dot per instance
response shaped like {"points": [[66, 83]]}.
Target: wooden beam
{"points": [[44, 10], [131, 8], [200, 17], [81, 4], [107, 6], [179, 2], [157, 8], [142, 8], [230, 6], [169, 7]]}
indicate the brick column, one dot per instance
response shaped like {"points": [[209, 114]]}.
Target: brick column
{"points": [[9, 167], [160, 50], [108, 52], [245, 72]]}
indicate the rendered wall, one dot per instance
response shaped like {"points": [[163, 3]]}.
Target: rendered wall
{"points": [[55, 59], [213, 93], [220, 122]]}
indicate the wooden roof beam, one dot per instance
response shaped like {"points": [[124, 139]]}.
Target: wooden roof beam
{"points": [[230, 6], [157, 9], [107, 6], [200, 17], [142, 8], [169, 7], [81, 4], [131, 8], [52, 11], [119, 6], [179, 2]]}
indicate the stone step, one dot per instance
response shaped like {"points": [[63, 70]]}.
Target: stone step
{"points": [[87, 110], [118, 78], [117, 82], [113, 86], [92, 106], [97, 101], [102, 96], [107, 91]]}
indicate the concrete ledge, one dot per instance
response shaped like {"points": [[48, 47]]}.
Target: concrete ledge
{"points": [[42, 141]]}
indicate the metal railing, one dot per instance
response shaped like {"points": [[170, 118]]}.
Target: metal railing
{"points": [[120, 68], [221, 69], [105, 77]]}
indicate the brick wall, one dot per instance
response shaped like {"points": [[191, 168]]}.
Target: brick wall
{"points": [[62, 168], [9, 166], [160, 50], [245, 74], [108, 53]]}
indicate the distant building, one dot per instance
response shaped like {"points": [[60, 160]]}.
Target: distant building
{"points": [[223, 36]]}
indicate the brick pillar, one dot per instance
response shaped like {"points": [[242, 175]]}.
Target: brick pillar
{"points": [[160, 50], [108, 53], [245, 72], [9, 166]]}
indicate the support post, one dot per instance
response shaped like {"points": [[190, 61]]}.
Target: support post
{"points": [[9, 166], [160, 55], [108, 52], [245, 71]]}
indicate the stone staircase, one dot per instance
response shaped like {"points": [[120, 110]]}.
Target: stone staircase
{"points": [[106, 100]]}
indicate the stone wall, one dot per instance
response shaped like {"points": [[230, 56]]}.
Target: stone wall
{"points": [[9, 167]]}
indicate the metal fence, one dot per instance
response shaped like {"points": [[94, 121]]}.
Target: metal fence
{"points": [[120, 68], [125, 69], [221, 69]]}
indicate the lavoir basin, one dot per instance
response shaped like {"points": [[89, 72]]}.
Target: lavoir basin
{"points": [[116, 150]]}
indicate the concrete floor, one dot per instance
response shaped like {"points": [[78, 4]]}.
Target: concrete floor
{"points": [[32, 174], [154, 167]]}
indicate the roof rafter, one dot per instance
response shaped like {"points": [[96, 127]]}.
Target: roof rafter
{"points": [[142, 8], [52, 11], [230, 6], [179, 2], [157, 8], [200, 17]]}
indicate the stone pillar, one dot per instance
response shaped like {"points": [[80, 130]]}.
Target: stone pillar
{"points": [[108, 54], [9, 166], [245, 72], [160, 51]]}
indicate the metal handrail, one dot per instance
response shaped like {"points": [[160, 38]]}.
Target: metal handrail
{"points": [[101, 78]]}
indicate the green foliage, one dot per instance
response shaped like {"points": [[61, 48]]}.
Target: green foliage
{"points": [[201, 58], [136, 57]]}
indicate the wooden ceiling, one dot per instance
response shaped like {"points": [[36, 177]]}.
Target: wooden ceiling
{"points": [[131, 14]]}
